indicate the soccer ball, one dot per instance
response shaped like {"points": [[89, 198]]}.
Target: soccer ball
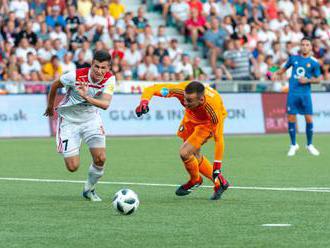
{"points": [[125, 201]]}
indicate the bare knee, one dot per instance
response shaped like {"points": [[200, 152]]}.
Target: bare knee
{"points": [[99, 160], [72, 165], [185, 153]]}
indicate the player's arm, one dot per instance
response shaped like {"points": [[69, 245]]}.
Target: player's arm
{"points": [[103, 101], [51, 97], [316, 79], [160, 90]]}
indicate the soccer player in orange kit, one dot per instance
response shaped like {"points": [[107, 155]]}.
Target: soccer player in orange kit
{"points": [[204, 118]]}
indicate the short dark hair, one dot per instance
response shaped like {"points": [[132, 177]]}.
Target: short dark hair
{"points": [[195, 87], [307, 38], [102, 55]]}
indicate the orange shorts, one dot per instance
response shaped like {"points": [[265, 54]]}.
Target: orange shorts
{"points": [[195, 134]]}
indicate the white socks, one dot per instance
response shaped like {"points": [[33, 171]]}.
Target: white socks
{"points": [[94, 174]]}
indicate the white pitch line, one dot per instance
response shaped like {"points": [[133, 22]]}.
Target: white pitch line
{"points": [[276, 225], [292, 189]]}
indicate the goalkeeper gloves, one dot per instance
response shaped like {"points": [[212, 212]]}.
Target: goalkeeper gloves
{"points": [[216, 170], [142, 108]]}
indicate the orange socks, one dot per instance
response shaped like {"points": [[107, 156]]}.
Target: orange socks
{"points": [[191, 165], [206, 169]]}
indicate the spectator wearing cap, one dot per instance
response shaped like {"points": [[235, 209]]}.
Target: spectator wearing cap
{"points": [[116, 9], [214, 39], [148, 70], [52, 70], [140, 21], [55, 18]]}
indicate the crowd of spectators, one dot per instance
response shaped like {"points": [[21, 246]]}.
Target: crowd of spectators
{"points": [[247, 39], [242, 39]]}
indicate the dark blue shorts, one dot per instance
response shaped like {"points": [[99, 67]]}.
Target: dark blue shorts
{"points": [[299, 104]]}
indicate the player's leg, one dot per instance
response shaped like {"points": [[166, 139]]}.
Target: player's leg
{"points": [[309, 135], [68, 143], [187, 154], [191, 164], [94, 136], [307, 110], [292, 110]]}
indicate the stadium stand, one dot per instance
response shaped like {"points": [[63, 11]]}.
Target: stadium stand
{"points": [[159, 39]]}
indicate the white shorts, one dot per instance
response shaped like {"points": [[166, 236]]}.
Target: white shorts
{"points": [[69, 135]]}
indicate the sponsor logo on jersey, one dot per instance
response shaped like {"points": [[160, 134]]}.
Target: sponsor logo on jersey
{"points": [[164, 91]]}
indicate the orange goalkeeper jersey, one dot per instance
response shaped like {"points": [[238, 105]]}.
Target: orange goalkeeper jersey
{"points": [[212, 112]]}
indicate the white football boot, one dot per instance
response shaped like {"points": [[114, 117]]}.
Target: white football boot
{"points": [[293, 149], [312, 150], [90, 194]]}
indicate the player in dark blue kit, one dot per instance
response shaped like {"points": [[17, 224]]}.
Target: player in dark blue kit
{"points": [[305, 71]]}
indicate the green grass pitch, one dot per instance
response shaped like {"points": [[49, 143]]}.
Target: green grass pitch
{"points": [[39, 214]]}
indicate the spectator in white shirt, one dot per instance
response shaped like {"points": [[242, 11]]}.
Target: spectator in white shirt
{"points": [[20, 7], [185, 67], [180, 11], [133, 56], [59, 34], [23, 49], [175, 52], [147, 70], [46, 52], [88, 54], [67, 64], [31, 65], [286, 6]]}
